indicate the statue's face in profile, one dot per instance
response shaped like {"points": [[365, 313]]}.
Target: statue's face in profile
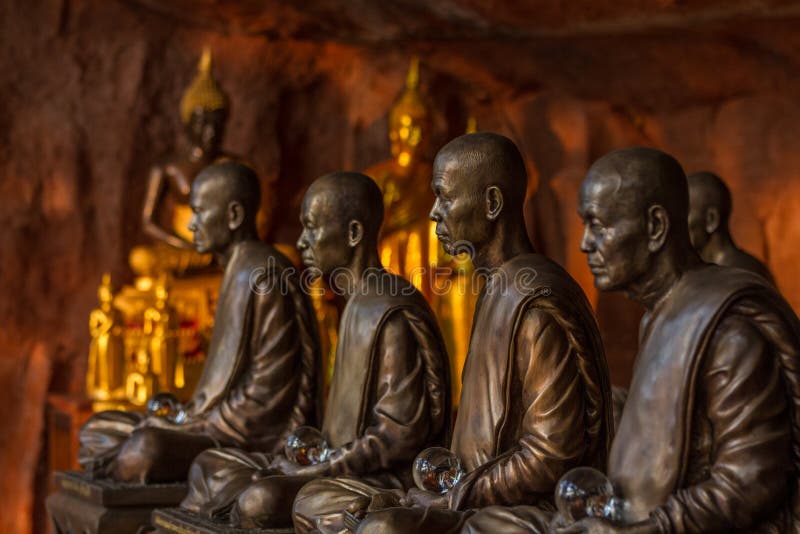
{"points": [[615, 238], [697, 217], [206, 127], [323, 242], [459, 210], [209, 221]]}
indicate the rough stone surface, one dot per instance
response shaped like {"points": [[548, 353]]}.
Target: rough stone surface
{"points": [[89, 99]]}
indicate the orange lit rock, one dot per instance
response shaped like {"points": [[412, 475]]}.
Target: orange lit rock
{"points": [[90, 95]]}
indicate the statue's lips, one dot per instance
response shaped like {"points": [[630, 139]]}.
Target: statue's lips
{"points": [[444, 238], [596, 268], [308, 261]]}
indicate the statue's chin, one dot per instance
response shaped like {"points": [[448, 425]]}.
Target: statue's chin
{"points": [[602, 283]]}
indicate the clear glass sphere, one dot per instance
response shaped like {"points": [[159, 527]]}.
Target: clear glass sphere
{"points": [[437, 470], [180, 417], [306, 446], [583, 492], [616, 510], [163, 405]]}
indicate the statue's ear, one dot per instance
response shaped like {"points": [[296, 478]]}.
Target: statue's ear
{"points": [[712, 220], [355, 233], [235, 215], [657, 227], [494, 202]]}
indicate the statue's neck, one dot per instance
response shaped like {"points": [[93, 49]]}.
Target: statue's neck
{"points": [[667, 268], [241, 237], [502, 247], [719, 245], [349, 279]]}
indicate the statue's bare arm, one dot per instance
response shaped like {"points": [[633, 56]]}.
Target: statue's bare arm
{"points": [[152, 200]]}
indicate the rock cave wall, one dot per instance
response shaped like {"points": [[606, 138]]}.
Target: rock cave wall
{"points": [[89, 100]]}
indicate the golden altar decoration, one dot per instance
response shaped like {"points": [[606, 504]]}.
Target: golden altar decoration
{"points": [[162, 328]]}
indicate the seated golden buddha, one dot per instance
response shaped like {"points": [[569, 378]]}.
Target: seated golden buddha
{"points": [[166, 212]]}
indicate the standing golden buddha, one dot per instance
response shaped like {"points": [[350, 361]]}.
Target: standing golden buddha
{"points": [[105, 371], [408, 244], [159, 331]]}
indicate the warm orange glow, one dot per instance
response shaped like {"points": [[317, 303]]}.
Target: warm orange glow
{"points": [[413, 264]]}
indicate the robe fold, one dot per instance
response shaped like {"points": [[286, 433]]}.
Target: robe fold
{"points": [[489, 427], [709, 438]]}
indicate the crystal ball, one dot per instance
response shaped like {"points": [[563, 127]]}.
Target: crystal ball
{"points": [[615, 510], [163, 405], [437, 470], [583, 492], [306, 446], [180, 417]]}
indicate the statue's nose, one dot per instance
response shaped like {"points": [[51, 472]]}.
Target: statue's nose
{"points": [[434, 214]]}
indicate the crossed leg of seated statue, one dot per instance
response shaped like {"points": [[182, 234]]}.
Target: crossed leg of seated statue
{"points": [[235, 485], [112, 445], [158, 455], [416, 520], [490, 520], [509, 520], [320, 505]]}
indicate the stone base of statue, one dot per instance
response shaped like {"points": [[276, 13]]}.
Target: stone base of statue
{"points": [[180, 521], [85, 506]]}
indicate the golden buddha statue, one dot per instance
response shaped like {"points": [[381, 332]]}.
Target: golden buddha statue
{"points": [[159, 332], [408, 245], [141, 383], [166, 211], [105, 372]]}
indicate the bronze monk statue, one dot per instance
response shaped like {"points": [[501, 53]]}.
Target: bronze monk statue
{"points": [[389, 395], [259, 381], [536, 398], [710, 208], [708, 440]]}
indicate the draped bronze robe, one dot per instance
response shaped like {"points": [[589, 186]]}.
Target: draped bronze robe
{"points": [[259, 382], [708, 440], [387, 400], [499, 440], [535, 402]]}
